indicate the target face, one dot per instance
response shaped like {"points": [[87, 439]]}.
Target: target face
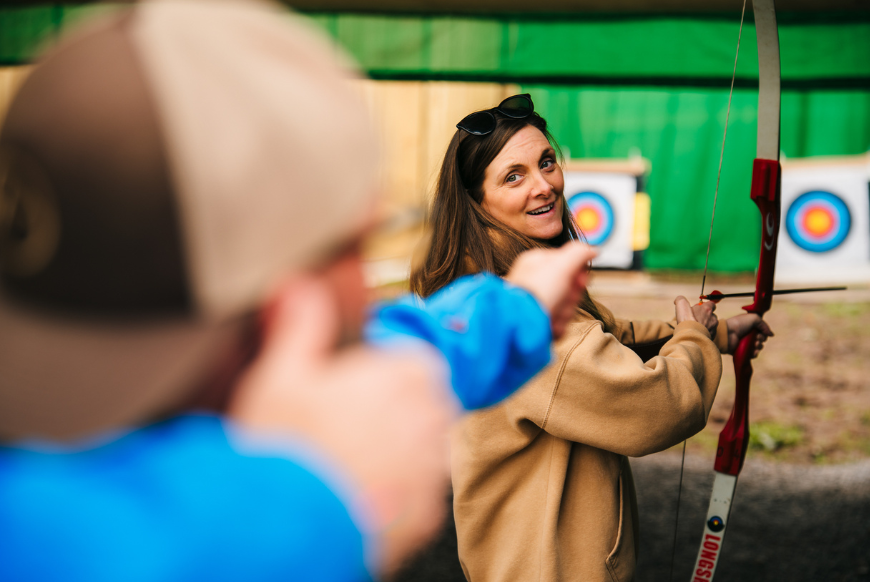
{"points": [[818, 221], [594, 216]]}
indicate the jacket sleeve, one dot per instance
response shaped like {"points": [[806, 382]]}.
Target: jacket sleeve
{"points": [[646, 338], [494, 336], [600, 393]]}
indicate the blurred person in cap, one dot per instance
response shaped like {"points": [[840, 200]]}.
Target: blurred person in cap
{"points": [[183, 391]]}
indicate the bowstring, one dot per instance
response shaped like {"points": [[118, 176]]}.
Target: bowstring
{"points": [[722, 152], [707, 262]]}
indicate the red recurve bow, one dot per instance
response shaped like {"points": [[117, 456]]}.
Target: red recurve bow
{"points": [[765, 193]]}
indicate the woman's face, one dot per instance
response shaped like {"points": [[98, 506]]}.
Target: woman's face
{"points": [[522, 186]]}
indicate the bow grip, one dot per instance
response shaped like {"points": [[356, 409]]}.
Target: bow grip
{"points": [[734, 438]]}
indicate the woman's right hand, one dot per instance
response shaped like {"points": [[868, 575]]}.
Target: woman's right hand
{"points": [[684, 311], [702, 313], [705, 316]]}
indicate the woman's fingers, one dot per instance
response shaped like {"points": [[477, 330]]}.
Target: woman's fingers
{"points": [[741, 325], [764, 332], [683, 310], [704, 315]]}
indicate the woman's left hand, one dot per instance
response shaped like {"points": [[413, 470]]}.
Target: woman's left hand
{"points": [[740, 325]]}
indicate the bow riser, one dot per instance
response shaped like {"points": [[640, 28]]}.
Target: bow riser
{"points": [[766, 181], [765, 192]]}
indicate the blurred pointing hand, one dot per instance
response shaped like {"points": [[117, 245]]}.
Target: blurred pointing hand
{"points": [[556, 277]]}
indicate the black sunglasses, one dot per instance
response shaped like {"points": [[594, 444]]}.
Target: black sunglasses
{"points": [[484, 122]]}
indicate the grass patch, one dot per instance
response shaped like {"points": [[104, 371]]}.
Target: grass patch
{"points": [[707, 440], [850, 442], [846, 309], [771, 437], [860, 444]]}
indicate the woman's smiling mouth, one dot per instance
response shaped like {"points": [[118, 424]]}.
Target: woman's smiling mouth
{"points": [[542, 209]]}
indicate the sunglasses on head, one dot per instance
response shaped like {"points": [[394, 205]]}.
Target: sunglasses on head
{"points": [[484, 122]]}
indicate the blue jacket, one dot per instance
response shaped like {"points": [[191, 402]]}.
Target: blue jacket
{"points": [[494, 336]]}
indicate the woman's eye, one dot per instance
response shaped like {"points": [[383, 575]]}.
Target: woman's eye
{"points": [[547, 164], [512, 178]]}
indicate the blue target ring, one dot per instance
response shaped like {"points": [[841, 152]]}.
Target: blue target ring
{"points": [[594, 216], [818, 221]]}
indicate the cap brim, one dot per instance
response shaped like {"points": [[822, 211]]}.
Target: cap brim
{"points": [[64, 378]]}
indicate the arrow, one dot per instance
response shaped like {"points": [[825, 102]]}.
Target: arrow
{"points": [[716, 296]]}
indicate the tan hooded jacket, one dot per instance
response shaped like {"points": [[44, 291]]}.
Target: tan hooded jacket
{"points": [[542, 487]]}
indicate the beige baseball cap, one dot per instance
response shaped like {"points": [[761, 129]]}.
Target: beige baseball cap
{"points": [[160, 170]]}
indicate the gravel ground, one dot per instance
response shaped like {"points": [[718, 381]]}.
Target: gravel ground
{"points": [[788, 522]]}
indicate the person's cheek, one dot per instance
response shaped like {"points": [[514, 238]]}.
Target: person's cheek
{"points": [[347, 280]]}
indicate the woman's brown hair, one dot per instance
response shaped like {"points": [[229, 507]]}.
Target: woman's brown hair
{"points": [[465, 238]]}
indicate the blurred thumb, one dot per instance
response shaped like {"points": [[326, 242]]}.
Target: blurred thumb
{"points": [[302, 322], [578, 254]]}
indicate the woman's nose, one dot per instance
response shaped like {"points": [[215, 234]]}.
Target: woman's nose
{"points": [[540, 185]]}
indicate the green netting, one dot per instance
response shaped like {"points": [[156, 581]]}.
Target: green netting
{"points": [[623, 48], [22, 30], [626, 48]]}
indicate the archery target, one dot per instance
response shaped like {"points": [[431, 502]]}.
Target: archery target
{"points": [[603, 204], [818, 221], [825, 231], [594, 216]]}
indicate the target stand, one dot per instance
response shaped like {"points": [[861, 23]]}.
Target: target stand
{"points": [[825, 234], [607, 202]]}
